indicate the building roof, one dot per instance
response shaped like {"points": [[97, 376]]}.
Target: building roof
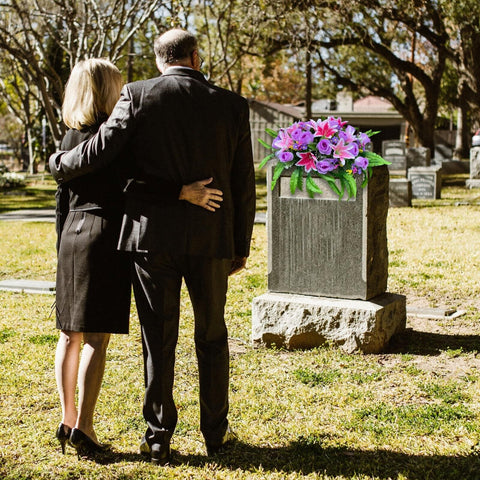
{"points": [[373, 104], [288, 109]]}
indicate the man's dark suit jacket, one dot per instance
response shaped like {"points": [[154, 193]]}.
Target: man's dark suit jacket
{"points": [[178, 129]]}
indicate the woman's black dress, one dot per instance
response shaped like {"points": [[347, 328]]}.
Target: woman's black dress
{"points": [[93, 288]]}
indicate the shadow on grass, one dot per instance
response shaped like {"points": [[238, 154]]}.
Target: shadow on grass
{"points": [[307, 457], [426, 343]]}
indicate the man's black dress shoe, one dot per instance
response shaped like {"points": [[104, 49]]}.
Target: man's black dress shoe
{"points": [[228, 438], [158, 454]]}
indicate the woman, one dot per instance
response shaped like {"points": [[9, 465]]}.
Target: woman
{"points": [[93, 289]]}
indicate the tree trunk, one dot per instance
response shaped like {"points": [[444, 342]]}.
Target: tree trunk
{"points": [[31, 158], [457, 151], [308, 85]]}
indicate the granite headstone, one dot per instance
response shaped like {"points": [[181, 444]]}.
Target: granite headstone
{"points": [[326, 247], [474, 180], [400, 192], [418, 157], [426, 182], [395, 152]]}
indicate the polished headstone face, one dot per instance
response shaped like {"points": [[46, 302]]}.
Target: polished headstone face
{"points": [[426, 182], [326, 247], [395, 151], [393, 148]]}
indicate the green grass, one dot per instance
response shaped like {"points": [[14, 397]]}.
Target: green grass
{"points": [[39, 193], [412, 412]]}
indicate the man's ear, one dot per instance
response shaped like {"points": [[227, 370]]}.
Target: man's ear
{"points": [[195, 59]]}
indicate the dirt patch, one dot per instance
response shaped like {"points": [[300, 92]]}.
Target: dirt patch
{"points": [[447, 348]]}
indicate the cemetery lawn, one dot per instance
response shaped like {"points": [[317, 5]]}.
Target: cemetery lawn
{"points": [[38, 193], [412, 412]]}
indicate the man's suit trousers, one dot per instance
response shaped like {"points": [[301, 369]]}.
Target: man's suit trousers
{"points": [[157, 280]]}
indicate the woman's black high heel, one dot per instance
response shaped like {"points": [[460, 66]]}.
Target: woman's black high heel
{"points": [[63, 435], [84, 445]]}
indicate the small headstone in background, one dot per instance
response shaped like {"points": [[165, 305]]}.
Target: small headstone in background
{"points": [[442, 153], [395, 151], [394, 148], [474, 181], [418, 157], [426, 182], [400, 192]]}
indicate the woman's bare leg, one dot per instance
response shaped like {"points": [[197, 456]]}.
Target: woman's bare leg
{"points": [[66, 371], [90, 375]]}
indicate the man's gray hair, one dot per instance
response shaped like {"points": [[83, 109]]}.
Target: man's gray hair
{"points": [[174, 45]]}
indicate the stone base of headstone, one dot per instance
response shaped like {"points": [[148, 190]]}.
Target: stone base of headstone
{"points": [[400, 192], [300, 321], [426, 182]]}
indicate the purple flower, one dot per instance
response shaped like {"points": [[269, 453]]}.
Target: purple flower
{"points": [[324, 146], [336, 123], [284, 156], [354, 149], [325, 166], [305, 138], [361, 163], [282, 141], [364, 139], [296, 133]]}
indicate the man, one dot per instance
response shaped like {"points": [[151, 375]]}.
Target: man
{"points": [[178, 128]]}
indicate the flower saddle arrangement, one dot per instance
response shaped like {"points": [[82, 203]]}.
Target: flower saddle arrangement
{"points": [[329, 149]]}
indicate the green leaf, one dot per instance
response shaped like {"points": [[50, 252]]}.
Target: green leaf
{"points": [[375, 160], [264, 143], [279, 168], [271, 132], [265, 160], [334, 187], [365, 179], [296, 180], [371, 133], [351, 185], [311, 186]]}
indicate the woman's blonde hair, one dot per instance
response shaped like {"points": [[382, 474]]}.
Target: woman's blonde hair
{"points": [[91, 92]]}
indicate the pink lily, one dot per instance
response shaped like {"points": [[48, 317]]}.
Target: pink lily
{"points": [[283, 141], [336, 122], [348, 134], [308, 160], [342, 151], [323, 129]]}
